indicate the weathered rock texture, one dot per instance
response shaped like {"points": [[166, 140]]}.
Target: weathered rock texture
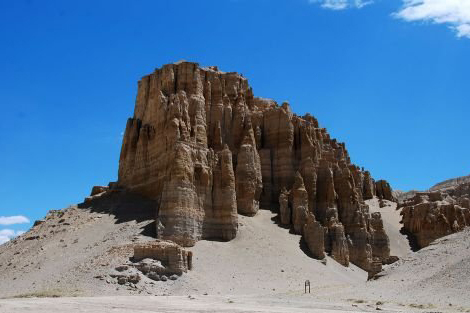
{"points": [[206, 149], [98, 189], [434, 214], [384, 191], [173, 258]]}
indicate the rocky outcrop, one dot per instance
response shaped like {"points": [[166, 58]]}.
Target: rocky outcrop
{"points": [[285, 212], [248, 176], [339, 246], [205, 148], [384, 191], [430, 215], [380, 240], [314, 235], [159, 261], [368, 186], [221, 220], [98, 189], [299, 204], [172, 258]]}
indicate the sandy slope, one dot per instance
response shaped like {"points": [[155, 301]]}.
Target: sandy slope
{"points": [[64, 254], [77, 250], [438, 275], [399, 244], [262, 270], [263, 258]]}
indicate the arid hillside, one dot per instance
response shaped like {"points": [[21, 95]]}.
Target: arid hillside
{"points": [[74, 253]]}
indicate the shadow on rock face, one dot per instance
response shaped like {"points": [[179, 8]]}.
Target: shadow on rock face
{"points": [[411, 239], [125, 206], [150, 230], [304, 247], [277, 220]]}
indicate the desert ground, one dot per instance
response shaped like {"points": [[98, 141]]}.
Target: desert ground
{"points": [[280, 303], [262, 270]]}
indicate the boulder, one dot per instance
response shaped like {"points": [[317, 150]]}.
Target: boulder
{"points": [[172, 258]]}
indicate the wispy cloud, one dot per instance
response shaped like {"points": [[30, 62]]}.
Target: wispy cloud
{"points": [[7, 234], [341, 4], [10, 220], [454, 13]]}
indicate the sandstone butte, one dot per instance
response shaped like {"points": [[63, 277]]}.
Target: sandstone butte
{"points": [[206, 149]]}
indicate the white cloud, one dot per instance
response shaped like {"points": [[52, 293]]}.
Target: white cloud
{"points": [[362, 3], [454, 13], [10, 220], [7, 234], [342, 4]]}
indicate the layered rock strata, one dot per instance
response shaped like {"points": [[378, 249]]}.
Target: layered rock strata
{"points": [[203, 146], [173, 259], [430, 215], [159, 261]]}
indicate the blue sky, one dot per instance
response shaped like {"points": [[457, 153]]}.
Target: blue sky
{"points": [[389, 78]]}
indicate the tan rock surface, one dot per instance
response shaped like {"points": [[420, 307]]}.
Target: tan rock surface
{"points": [[431, 215], [174, 258], [285, 211], [299, 204], [187, 119], [384, 191], [314, 235]]}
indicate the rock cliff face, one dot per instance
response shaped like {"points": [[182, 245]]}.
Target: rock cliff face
{"points": [[206, 149], [384, 191], [434, 214]]}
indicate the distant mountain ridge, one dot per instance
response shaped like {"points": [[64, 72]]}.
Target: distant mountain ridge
{"points": [[450, 183]]}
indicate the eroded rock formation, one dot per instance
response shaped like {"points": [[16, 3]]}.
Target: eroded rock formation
{"points": [[384, 191], [285, 212], [172, 258], [205, 148], [314, 235], [434, 214], [159, 260]]}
